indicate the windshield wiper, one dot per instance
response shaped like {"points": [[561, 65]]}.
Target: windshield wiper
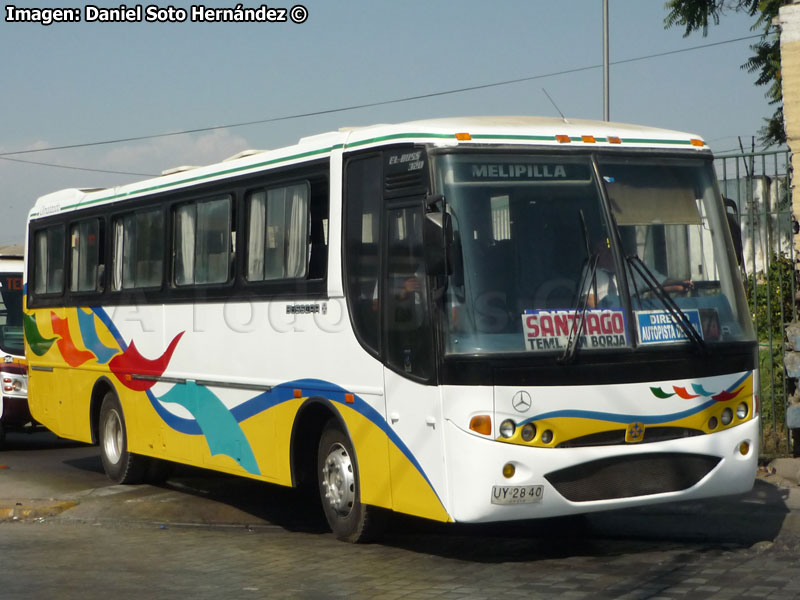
{"points": [[678, 316], [579, 316]]}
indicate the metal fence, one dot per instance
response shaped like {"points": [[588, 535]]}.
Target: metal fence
{"points": [[757, 188]]}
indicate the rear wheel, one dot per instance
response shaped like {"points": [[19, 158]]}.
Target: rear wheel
{"points": [[340, 489], [2, 435], [120, 465]]}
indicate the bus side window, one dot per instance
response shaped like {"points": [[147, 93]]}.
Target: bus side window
{"points": [[362, 259], [48, 268], [138, 249], [86, 256], [277, 235], [203, 242]]}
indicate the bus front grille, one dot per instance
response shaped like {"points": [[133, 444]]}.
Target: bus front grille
{"points": [[617, 437], [631, 476]]}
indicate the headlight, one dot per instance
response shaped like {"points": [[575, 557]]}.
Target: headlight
{"points": [[528, 432], [507, 428], [741, 411], [727, 416]]}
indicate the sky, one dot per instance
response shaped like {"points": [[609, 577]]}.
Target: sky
{"points": [[84, 82]]}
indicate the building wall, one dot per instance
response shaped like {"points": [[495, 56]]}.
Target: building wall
{"points": [[789, 19]]}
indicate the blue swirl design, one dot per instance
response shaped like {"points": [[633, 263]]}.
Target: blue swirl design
{"points": [[91, 339], [267, 400]]}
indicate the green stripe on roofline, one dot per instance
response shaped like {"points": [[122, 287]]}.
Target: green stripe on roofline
{"points": [[249, 167], [397, 136]]}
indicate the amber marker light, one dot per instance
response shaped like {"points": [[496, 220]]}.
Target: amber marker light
{"points": [[463, 137], [349, 398], [481, 424], [612, 139], [588, 139], [298, 393], [509, 470], [563, 139], [744, 448], [696, 142]]}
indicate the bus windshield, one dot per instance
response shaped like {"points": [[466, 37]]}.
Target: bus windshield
{"points": [[11, 339], [536, 261]]}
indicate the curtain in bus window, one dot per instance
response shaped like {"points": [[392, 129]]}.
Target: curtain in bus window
{"points": [[40, 264], [255, 236], [275, 257], [298, 232], [129, 252], [118, 255], [184, 245]]}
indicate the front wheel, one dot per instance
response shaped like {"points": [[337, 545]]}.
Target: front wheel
{"points": [[120, 465], [340, 489]]}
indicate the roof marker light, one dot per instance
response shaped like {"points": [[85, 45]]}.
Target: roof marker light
{"points": [[563, 139], [463, 137], [696, 142], [588, 139], [613, 139]]}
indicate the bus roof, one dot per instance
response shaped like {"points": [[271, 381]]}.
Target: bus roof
{"points": [[453, 131]]}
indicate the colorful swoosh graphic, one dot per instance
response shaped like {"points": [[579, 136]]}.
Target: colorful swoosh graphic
{"points": [[220, 428], [732, 392], [699, 390], [91, 340], [38, 344], [132, 362], [219, 425], [69, 351]]}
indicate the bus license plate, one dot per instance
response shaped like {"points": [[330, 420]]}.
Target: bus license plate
{"points": [[517, 494]]}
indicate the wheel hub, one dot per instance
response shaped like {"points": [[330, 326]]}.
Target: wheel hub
{"points": [[338, 481], [112, 438]]}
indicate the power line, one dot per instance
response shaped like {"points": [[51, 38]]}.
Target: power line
{"points": [[43, 164], [373, 104]]}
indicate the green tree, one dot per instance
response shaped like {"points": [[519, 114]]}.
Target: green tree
{"points": [[696, 15]]}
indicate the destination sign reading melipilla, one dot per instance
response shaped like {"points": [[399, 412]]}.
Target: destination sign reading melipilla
{"points": [[523, 171]]}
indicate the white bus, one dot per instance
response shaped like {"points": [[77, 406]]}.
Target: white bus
{"points": [[14, 413], [464, 319]]}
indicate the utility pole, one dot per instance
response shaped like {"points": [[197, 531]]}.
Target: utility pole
{"points": [[606, 109]]}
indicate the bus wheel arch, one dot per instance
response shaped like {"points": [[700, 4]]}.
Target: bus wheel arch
{"points": [[306, 431]]}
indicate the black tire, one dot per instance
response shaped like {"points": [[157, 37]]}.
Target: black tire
{"points": [[340, 489], [120, 465], [2, 436]]}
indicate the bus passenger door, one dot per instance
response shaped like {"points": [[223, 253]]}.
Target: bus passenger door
{"points": [[413, 408]]}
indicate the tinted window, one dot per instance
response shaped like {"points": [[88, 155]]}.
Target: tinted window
{"points": [[85, 255], [277, 236], [203, 242], [48, 267], [138, 250], [362, 231]]}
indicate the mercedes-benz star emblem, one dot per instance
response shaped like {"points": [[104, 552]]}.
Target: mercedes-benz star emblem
{"points": [[521, 401]]}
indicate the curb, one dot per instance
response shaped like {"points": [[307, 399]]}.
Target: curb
{"points": [[786, 468], [19, 510]]}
